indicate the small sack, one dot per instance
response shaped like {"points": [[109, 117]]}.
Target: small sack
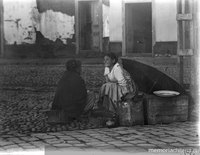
{"points": [[56, 116]]}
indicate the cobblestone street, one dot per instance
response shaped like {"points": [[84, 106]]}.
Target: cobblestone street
{"points": [[181, 135], [99, 77], [28, 90]]}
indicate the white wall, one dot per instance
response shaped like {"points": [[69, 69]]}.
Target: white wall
{"points": [[115, 24], [165, 19]]}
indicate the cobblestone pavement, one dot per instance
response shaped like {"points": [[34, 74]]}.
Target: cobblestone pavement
{"points": [[177, 135], [27, 90]]}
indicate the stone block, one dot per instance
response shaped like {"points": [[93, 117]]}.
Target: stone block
{"points": [[165, 109]]}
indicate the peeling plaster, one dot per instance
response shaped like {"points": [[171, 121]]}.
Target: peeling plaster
{"points": [[21, 18], [18, 25], [55, 25]]}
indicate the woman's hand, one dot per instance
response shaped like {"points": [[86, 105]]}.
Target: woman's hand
{"points": [[106, 71]]}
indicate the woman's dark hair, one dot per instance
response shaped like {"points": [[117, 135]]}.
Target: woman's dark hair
{"points": [[112, 56], [73, 65]]}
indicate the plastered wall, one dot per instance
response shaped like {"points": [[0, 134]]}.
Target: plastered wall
{"points": [[115, 24], [21, 18], [164, 19], [18, 25], [55, 25]]}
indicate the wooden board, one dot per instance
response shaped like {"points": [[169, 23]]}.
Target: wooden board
{"points": [[184, 17], [165, 110]]}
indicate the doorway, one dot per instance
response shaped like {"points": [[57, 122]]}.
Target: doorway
{"points": [[138, 28], [89, 26]]}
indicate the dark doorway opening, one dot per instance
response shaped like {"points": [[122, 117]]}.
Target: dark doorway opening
{"points": [[89, 26], [138, 21], [85, 25]]}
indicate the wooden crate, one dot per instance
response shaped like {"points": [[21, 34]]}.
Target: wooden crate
{"points": [[165, 109], [131, 113]]}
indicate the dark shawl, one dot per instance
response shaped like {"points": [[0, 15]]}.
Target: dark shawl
{"points": [[71, 94]]}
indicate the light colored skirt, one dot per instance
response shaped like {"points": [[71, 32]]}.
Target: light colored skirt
{"points": [[112, 94]]}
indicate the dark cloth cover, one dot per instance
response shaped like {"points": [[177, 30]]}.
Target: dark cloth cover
{"points": [[149, 79], [71, 94]]}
